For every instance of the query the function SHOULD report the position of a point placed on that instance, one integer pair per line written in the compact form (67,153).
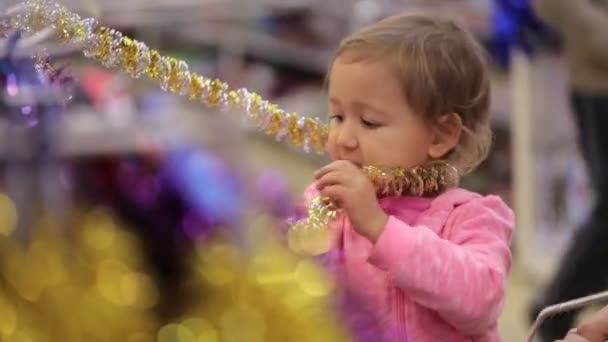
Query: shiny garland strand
(112,49)
(420,181)
(311,235)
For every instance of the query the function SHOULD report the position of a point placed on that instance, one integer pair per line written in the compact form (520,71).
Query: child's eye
(336,117)
(369,124)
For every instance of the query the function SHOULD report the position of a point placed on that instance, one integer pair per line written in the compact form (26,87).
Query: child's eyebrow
(359,105)
(334,100)
(364,105)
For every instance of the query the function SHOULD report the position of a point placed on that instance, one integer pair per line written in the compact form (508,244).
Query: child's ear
(447,130)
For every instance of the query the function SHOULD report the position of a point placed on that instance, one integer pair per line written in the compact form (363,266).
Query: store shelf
(88,133)
(265,46)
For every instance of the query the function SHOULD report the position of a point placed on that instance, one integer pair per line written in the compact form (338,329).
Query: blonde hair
(443,70)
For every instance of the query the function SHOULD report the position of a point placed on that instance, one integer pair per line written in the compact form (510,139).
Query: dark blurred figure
(583,27)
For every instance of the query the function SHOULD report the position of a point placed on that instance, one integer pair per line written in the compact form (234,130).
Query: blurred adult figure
(583,28)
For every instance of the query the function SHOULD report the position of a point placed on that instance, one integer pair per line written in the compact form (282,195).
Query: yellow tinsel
(112,49)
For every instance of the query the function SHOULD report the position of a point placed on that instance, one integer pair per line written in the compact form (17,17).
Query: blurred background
(281,48)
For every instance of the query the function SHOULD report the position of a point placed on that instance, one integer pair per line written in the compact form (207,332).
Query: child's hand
(351,190)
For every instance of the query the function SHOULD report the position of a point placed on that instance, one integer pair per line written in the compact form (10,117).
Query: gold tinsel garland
(311,235)
(113,49)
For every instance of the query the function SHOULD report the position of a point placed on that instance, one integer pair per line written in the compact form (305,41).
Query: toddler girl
(408,91)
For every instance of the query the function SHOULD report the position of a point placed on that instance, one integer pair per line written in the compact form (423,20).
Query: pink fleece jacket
(437,273)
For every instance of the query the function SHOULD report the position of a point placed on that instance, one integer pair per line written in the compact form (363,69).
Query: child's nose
(347,138)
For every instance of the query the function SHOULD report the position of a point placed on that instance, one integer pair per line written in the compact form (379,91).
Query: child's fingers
(335,193)
(333,166)
(332,178)
(325,170)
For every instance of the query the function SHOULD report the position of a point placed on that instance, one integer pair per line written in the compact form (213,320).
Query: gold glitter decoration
(174,75)
(217,87)
(8,216)
(419,181)
(93,284)
(315,131)
(80,31)
(233,98)
(310,236)
(130,50)
(274,120)
(196,87)
(62,30)
(294,130)
(112,49)
(254,106)
(269,294)
(154,69)
(88,287)
(104,43)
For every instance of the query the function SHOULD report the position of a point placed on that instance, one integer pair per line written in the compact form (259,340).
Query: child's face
(371,120)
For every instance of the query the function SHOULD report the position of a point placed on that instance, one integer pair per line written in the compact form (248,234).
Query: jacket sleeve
(582,23)
(463,278)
